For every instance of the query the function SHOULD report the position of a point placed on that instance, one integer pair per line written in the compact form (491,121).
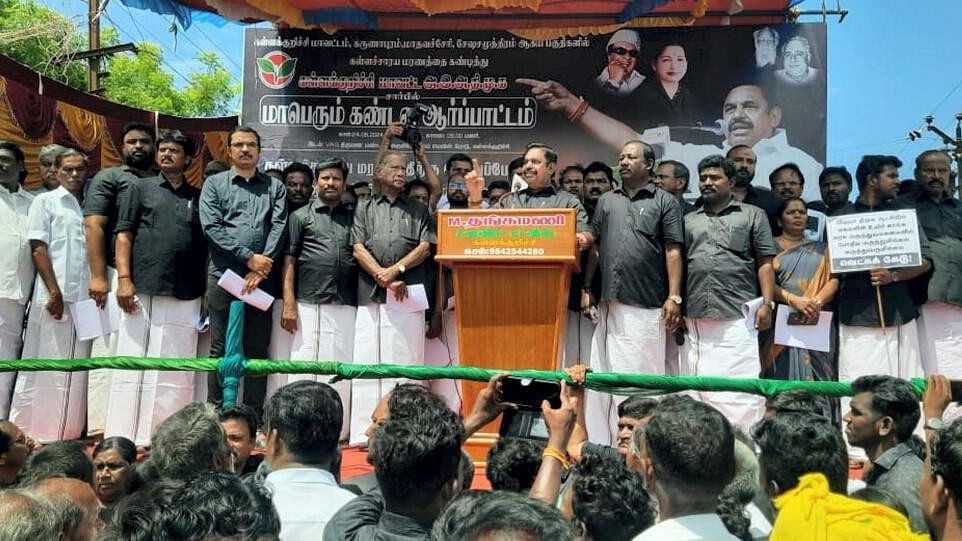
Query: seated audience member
(76,505)
(15,447)
(606,501)
(240,426)
(500,515)
(27,517)
(188,443)
(792,444)
(114,460)
(798,401)
(59,459)
(881,497)
(303,424)
(211,506)
(513,464)
(884,413)
(689,461)
(416,460)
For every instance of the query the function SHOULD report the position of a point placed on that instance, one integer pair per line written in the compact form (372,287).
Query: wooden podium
(511,277)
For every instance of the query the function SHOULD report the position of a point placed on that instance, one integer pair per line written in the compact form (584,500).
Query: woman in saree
(805,284)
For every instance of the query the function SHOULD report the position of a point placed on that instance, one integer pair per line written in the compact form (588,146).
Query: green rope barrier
(606,382)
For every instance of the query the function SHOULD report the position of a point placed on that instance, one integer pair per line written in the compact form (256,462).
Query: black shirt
(856,300)
(102,198)
(823,208)
(548,198)
(365,519)
(242,217)
(632,233)
(320,240)
(942,223)
(722,253)
(389,231)
(762,198)
(169,251)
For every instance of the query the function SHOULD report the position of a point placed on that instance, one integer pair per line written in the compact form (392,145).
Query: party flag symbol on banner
(276,69)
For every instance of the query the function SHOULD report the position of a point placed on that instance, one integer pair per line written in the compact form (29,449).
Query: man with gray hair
(766,47)
(390,236)
(27,517)
(189,442)
(46,167)
(76,506)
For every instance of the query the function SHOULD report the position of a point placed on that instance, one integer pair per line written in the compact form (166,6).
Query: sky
(889,65)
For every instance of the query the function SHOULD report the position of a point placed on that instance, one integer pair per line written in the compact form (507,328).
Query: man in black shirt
(745,162)
(835,184)
(673,176)
(298,181)
(161,255)
(243,213)
(639,231)
(941,217)
(868,345)
(100,208)
(391,241)
(320,281)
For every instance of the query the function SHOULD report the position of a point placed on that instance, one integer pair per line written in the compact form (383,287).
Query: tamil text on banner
(874,240)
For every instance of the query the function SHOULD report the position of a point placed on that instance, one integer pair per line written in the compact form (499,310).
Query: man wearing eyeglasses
(619,77)
(788,181)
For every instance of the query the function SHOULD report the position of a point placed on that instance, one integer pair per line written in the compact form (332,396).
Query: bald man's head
(27,517)
(76,504)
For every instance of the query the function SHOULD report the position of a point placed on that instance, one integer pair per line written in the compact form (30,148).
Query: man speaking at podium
(540,164)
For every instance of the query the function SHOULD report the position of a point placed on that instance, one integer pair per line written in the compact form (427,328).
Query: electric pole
(93,43)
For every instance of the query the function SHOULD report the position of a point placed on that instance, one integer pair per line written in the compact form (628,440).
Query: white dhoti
(98,381)
(724,349)
(51,406)
(940,334)
(579,334)
(325,332)
(139,400)
(443,351)
(866,351)
(11,342)
(381,336)
(627,340)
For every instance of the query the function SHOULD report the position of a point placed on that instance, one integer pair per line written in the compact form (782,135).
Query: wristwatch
(895,276)
(935,423)
(675,299)
(401,268)
(770,304)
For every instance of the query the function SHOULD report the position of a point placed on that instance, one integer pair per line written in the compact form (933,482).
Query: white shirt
(688,528)
(57,220)
(619,88)
(772,153)
(16,262)
(306,499)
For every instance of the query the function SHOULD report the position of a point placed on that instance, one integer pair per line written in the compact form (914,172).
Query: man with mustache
(101,208)
(729,251)
(243,213)
(16,265)
(640,237)
(619,78)
(573,180)
(320,282)
(391,240)
(941,219)
(298,181)
(749,117)
(865,347)
(46,168)
(835,184)
(744,190)
(161,257)
(787,181)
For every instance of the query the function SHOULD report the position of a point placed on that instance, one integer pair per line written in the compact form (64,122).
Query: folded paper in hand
(92,322)
(750,310)
(815,337)
(234,284)
(416,300)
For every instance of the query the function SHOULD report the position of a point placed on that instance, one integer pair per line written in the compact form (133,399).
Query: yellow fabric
(809,512)
(638,22)
(85,128)
(433,7)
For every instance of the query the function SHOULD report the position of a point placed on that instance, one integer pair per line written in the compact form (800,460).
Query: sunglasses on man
(621,51)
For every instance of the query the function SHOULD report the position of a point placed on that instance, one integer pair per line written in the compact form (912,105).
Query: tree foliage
(45,40)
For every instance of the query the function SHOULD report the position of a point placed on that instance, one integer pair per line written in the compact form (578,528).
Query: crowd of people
(662,289)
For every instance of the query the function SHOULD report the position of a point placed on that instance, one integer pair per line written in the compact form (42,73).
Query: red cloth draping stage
(36,111)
